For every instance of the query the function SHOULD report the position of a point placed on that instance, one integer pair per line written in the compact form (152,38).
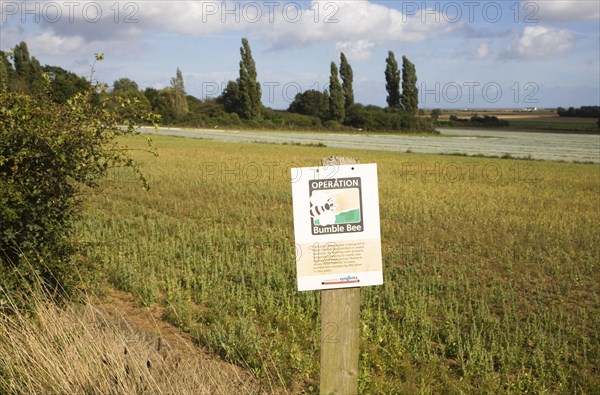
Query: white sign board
(336,225)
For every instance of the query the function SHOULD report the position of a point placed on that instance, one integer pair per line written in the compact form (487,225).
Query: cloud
(355,25)
(355,50)
(48,43)
(42,43)
(475,32)
(540,42)
(482,51)
(331,20)
(561,10)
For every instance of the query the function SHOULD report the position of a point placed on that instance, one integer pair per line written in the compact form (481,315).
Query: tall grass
(80,349)
(490,266)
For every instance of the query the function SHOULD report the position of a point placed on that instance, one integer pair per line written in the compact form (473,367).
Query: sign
(336,225)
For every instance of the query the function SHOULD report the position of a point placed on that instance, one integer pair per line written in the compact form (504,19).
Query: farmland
(490,266)
(473,142)
(539,120)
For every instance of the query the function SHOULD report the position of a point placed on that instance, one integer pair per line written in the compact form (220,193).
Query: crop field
(491,266)
(473,142)
(541,120)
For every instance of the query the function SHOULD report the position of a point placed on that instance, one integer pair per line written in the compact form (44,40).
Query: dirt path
(224,378)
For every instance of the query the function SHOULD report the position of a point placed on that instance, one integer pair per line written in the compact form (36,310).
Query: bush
(373,118)
(479,121)
(48,153)
(332,125)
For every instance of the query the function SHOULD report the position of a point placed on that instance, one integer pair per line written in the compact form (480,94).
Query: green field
(541,121)
(490,266)
(553,125)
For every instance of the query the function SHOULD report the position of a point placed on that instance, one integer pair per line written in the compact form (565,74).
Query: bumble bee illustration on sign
(336,226)
(335,206)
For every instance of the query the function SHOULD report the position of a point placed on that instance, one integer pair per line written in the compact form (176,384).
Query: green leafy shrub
(48,152)
(373,118)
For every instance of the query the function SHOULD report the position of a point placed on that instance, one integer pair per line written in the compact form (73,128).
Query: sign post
(338,250)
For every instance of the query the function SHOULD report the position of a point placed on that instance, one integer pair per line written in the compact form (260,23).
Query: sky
(468,54)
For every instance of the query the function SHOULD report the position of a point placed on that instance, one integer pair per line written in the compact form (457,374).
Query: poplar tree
(249,92)
(336,96)
(410,92)
(28,70)
(3,75)
(347,78)
(21,60)
(392,81)
(7,73)
(180,104)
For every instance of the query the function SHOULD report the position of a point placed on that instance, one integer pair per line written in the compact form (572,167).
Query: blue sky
(468,54)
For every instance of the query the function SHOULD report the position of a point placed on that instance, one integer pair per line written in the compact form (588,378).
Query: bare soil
(227,377)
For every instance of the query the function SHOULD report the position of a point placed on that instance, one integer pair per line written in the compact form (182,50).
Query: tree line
(240,103)
(584,112)
(26,75)
(336,105)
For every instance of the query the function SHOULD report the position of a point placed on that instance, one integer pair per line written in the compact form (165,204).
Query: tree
(64,83)
(392,81)
(7,73)
(151,94)
(125,84)
(248,88)
(165,104)
(336,96)
(3,74)
(28,70)
(230,97)
(180,105)
(347,77)
(309,102)
(48,153)
(21,60)
(28,76)
(410,92)
(435,115)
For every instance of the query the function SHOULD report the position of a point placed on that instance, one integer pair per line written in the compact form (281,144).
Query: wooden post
(340,331)
(340,335)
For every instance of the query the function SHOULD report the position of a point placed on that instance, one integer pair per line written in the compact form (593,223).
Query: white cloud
(48,43)
(357,25)
(483,51)
(540,42)
(43,43)
(355,50)
(561,10)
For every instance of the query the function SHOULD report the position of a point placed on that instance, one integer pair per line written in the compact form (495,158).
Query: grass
(80,349)
(490,266)
(555,125)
